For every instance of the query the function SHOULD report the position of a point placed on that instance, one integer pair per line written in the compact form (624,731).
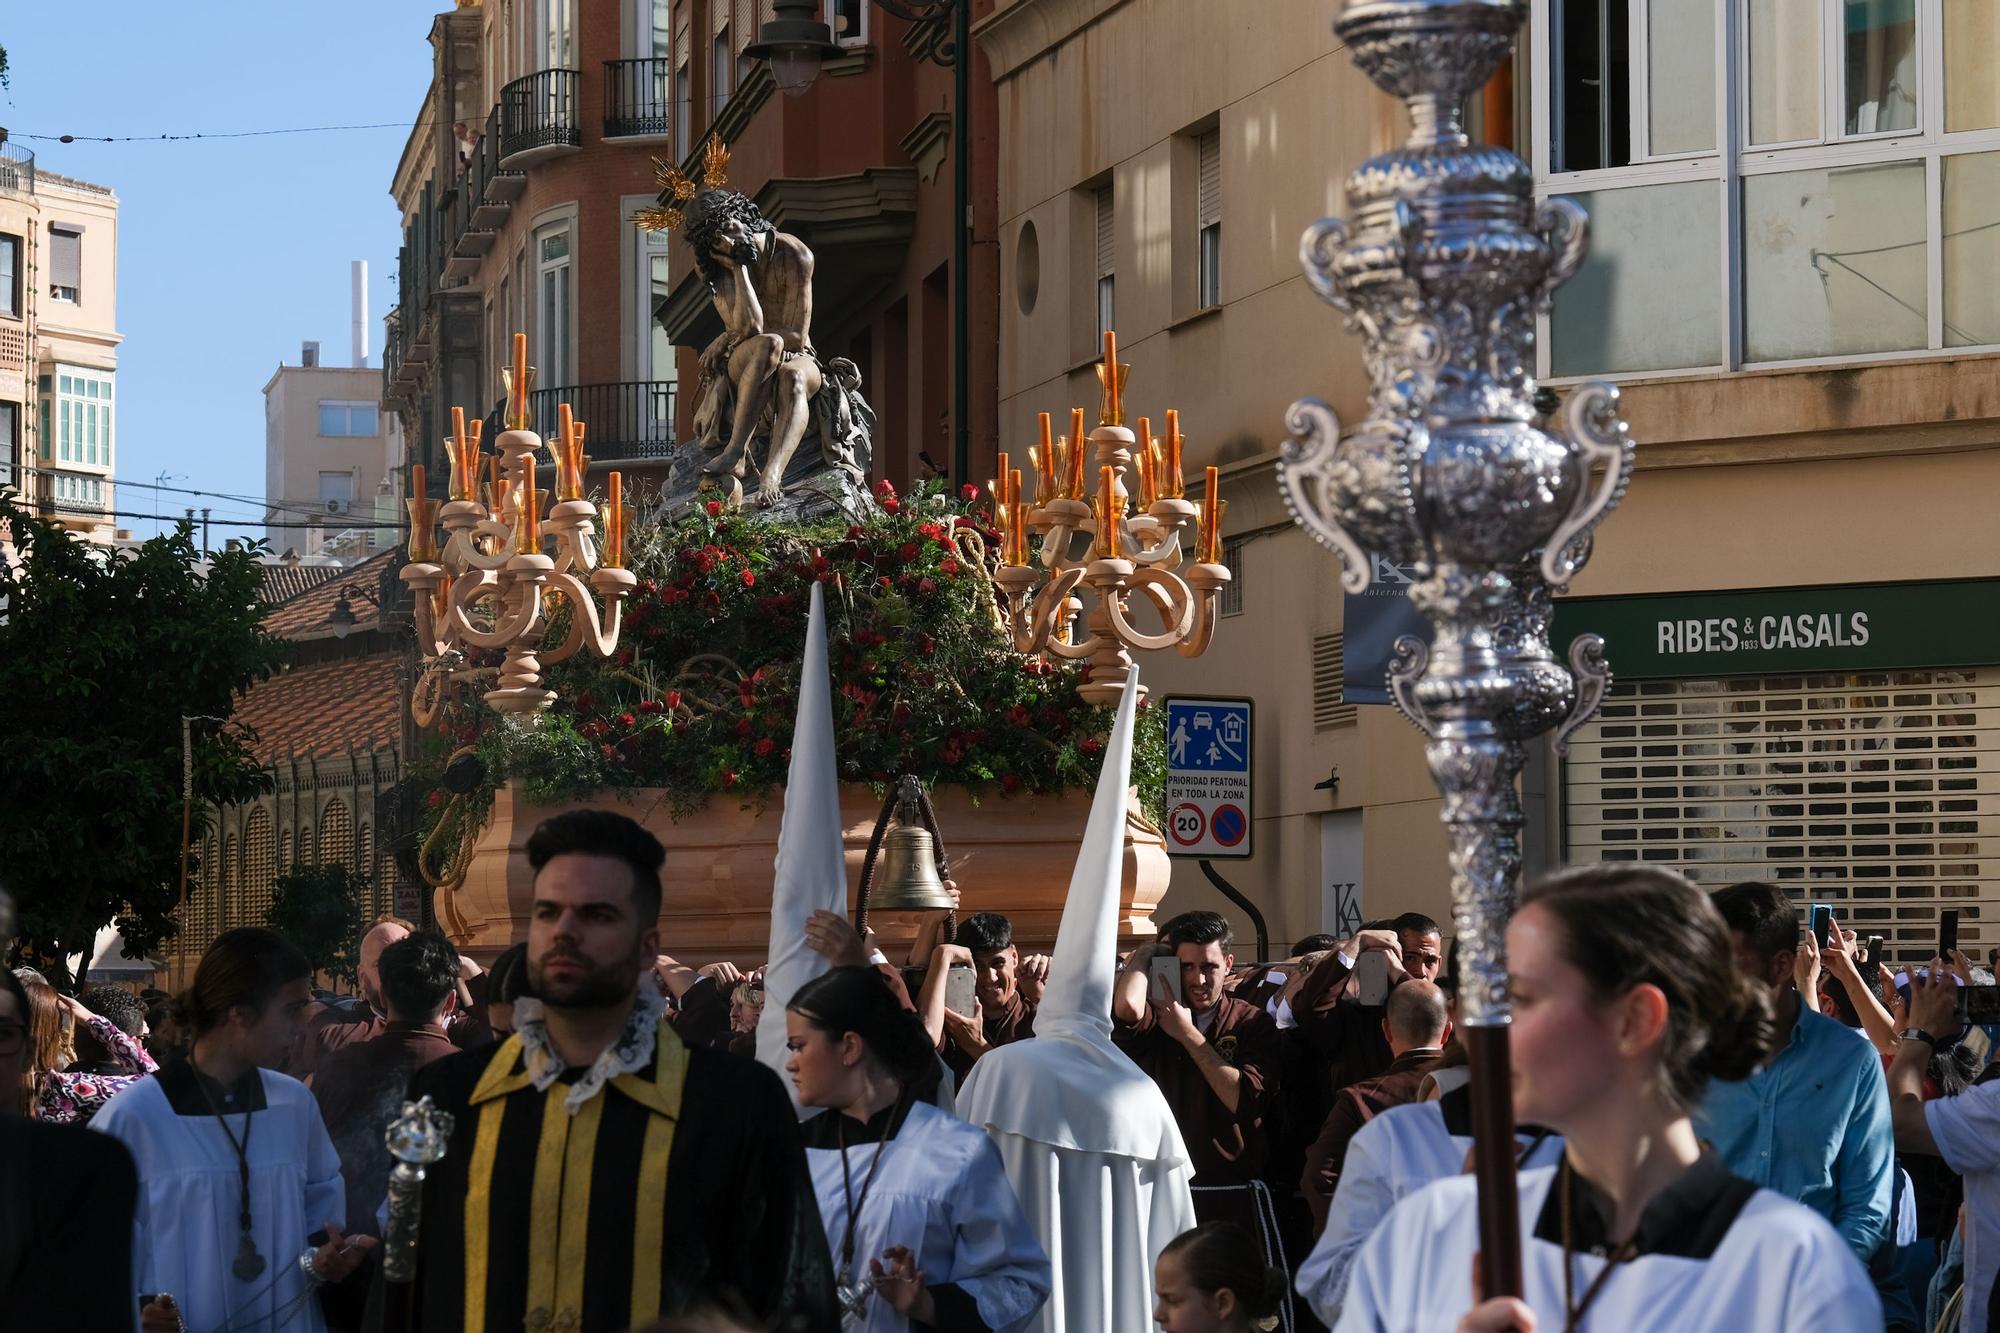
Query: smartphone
(1874,952)
(1822,924)
(1167,978)
(1947,933)
(959,990)
(1371,977)
(1981,1005)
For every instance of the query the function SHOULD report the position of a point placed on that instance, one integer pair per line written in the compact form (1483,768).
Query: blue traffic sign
(1208,777)
(1208,736)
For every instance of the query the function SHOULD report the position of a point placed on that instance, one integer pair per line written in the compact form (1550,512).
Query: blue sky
(230,252)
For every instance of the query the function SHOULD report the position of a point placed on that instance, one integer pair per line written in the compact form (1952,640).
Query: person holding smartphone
(1339,1010)
(1214,1057)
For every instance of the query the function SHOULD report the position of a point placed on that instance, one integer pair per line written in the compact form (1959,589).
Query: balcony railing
(539,112)
(633,420)
(17,169)
(638,97)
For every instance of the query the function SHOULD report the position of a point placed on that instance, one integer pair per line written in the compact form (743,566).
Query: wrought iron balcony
(538,115)
(638,98)
(17,168)
(630,421)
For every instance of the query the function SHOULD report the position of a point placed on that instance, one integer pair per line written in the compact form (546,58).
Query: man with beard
(600,1173)
(1006,990)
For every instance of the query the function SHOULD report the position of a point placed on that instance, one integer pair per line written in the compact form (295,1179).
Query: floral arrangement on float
(697,703)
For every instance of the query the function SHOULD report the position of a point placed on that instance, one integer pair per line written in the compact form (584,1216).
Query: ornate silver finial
(1441,265)
(417,1139)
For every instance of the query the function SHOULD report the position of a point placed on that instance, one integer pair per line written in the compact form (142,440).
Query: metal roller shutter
(1877,792)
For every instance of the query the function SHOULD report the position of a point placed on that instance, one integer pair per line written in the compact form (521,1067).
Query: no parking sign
(1208,778)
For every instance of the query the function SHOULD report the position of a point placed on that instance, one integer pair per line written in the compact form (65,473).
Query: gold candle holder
(528,532)
(422,515)
(1075,458)
(1211,518)
(1176,488)
(498,497)
(1111,377)
(1017,550)
(1043,456)
(517,380)
(1146,459)
(462,452)
(614,521)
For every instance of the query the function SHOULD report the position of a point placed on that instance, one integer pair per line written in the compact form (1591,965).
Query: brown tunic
(1353,1107)
(1009,1023)
(1345,1034)
(1225,1147)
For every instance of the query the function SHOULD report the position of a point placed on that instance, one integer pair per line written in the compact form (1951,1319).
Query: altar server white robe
(185,1231)
(1753,1260)
(939,1192)
(1390,1158)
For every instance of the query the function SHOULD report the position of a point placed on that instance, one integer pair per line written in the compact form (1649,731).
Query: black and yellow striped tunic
(676,1186)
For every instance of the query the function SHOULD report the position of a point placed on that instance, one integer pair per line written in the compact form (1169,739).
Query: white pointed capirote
(812,856)
(1089,1142)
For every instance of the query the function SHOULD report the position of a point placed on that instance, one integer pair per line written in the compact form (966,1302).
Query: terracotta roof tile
(284,582)
(325,708)
(304,616)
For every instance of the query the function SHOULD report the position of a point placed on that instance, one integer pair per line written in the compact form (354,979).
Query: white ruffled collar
(632,1052)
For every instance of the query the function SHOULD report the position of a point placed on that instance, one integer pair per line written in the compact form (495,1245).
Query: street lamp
(795,42)
(342,619)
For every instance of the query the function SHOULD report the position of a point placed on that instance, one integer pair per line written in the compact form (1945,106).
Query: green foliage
(318,908)
(701,697)
(106,652)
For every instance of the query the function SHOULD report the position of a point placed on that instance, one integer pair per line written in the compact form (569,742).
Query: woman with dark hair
(235,1167)
(923,1226)
(1626,1004)
(1213,1279)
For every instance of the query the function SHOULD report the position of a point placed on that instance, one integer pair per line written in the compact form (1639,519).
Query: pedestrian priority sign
(1208,778)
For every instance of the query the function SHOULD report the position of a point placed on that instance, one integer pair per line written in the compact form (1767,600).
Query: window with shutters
(720,66)
(10,276)
(80,412)
(1208,218)
(1875,792)
(848,19)
(1107,309)
(260,867)
(65,261)
(1329,676)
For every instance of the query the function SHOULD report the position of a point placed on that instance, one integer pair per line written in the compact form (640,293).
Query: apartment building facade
(534,148)
(59,343)
(1796,235)
(332,460)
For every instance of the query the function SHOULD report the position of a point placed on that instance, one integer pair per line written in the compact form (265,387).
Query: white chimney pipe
(360,283)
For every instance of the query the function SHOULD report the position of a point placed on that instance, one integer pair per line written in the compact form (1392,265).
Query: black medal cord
(847,1180)
(248,1246)
(1572,1311)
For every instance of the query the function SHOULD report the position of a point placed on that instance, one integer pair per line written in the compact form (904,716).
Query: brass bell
(906,877)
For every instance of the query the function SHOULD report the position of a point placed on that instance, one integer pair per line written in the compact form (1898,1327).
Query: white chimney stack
(360,274)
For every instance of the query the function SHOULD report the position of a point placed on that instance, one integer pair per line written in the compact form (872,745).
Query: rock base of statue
(827,474)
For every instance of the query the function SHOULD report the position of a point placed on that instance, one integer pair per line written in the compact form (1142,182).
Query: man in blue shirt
(1813,1123)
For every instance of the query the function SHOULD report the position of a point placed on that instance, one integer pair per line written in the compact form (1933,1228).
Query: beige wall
(1754,479)
(295,453)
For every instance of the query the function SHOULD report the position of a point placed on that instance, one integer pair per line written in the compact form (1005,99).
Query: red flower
(715,509)
(930,530)
(434,800)
(968,492)
(649,706)
(1010,782)
(743,727)
(1019,716)
(1091,745)
(892,505)
(908,551)
(729,777)
(884,490)
(926,586)
(883,583)
(948,567)
(627,720)
(608,750)
(673,698)
(624,657)
(764,747)
(749,579)
(854,533)
(926,645)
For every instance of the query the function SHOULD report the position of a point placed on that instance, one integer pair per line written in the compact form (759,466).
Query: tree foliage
(107,651)
(318,908)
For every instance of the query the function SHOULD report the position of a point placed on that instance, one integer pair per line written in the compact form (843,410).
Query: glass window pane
(1834,262)
(1881,50)
(1971,74)
(1971,249)
(332,419)
(1784,70)
(1649,297)
(1680,76)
